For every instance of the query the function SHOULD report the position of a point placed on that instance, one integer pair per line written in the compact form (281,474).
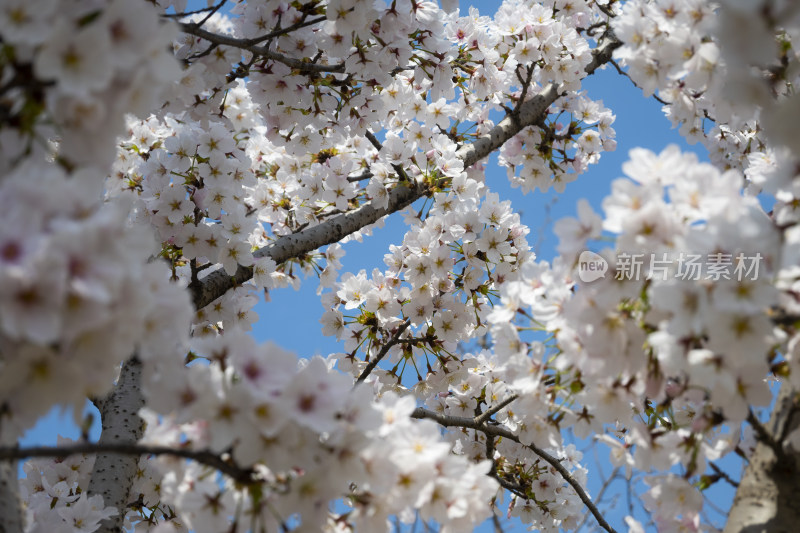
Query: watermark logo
(715,266)
(591,266)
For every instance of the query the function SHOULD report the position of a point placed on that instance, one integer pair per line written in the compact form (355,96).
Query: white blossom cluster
(259,126)
(92,62)
(627,347)
(729,93)
(192,189)
(203,198)
(78,294)
(424,284)
(556,156)
(56,502)
(309,437)
(487,379)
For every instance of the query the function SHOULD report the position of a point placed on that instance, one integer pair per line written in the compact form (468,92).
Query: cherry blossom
(163,168)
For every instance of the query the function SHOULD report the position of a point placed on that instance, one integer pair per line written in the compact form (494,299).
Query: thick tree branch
(766,498)
(333,230)
(218,282)
(762,434)
(113,475)
(500,431)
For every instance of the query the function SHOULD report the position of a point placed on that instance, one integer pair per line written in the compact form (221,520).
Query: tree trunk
(113,474)
(10,508)
(767,497)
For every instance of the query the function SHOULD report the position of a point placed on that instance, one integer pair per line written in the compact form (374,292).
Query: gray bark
(113,474)
(766,499)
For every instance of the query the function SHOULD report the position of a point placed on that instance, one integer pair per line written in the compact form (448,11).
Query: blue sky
(291,319)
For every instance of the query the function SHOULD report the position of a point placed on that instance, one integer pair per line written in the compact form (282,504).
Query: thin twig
(600,494)
(195,12)
(514,488)
(498,528)
(619,70)
(378,146)
(211,13)
(245,44)
(384,350)
(517,490)
(526,83)
(204,53)
(486,415)
(287,29)
(722,474)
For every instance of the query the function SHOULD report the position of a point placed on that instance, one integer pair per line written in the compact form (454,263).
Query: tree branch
(360,177)
(514,488)
(262,51)
(762,433)
(600,493)
(195,12)
(334,229)
(500,431)
(113,475)
(486,415)
(378,146)
(622,72)
(208,458)
(766,498)
(288,29)
(723,475)
(384,350)
(605,10)
(526,83)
